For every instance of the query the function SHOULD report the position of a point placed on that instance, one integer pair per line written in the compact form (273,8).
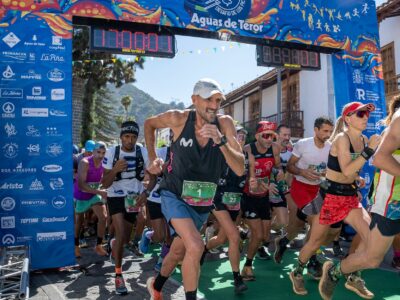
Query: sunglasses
(267,136)
(361,113)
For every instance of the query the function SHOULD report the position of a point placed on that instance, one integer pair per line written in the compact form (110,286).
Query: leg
(101,213)
(120,237)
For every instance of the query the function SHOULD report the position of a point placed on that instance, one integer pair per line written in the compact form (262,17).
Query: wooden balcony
(293,119)
(392,86)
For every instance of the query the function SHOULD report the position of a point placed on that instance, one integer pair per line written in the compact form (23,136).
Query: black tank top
(333,162)
(189,161)
(230,182)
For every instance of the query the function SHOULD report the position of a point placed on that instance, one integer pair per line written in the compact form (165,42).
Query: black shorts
(387,227)
(219,206)
(116,205)
(154,210)
(283,203)
(256,207)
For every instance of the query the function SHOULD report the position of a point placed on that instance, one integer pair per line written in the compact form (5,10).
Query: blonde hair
(393,106)
(339,127)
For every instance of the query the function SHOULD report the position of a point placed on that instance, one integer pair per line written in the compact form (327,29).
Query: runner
(385,218)
(203,142)
(226,210)
(89,195)
(263,157)
(124,168)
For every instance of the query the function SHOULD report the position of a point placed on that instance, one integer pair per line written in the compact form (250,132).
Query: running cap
(266,126)
(129,127)
(240,128)
(356,106)
(207,87)
(100,145)
(89,145)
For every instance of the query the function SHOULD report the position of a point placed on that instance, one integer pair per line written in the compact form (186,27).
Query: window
(389,70)
(254,106)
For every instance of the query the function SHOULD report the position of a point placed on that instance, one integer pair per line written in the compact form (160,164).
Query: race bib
(232,200)
(130,203)
(94,185)
(197,193)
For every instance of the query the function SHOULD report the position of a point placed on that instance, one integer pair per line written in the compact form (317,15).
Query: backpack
(139,171)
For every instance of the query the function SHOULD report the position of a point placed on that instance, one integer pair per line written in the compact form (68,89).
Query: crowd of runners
(208,188)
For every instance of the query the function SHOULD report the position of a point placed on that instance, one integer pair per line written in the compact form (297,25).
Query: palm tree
(126,102)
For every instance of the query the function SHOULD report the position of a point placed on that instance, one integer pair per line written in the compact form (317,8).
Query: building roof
(390,8)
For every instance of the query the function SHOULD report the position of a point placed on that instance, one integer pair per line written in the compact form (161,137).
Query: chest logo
(186,143)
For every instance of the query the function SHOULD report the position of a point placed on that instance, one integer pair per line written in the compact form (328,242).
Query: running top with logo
(93,178)
(154,196)
(285,156)
(264,162)
(193,171)
(230,187)
(130,180)
(386,201)
(311,157)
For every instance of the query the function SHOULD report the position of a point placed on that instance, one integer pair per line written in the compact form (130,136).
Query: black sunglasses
(361,113)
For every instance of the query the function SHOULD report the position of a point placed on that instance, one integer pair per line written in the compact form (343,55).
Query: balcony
(392,86)
(293,119)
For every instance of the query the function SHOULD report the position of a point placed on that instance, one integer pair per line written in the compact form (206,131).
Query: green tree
(126,102)
(97,69)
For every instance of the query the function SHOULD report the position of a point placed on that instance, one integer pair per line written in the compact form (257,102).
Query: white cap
(207,87)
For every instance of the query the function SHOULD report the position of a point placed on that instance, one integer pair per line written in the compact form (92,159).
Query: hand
(374,141)
(155,167)
(280,176)
(120,165)
(253,183)
(273,188)
(360,182)
(211,131)
(309,174)
(141,199)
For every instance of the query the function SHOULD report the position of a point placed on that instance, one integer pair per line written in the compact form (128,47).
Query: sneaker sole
(325,269)
(353,289)
(294,288)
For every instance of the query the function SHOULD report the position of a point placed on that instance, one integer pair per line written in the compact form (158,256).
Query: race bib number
(232,200)
(130,203)
(197,193)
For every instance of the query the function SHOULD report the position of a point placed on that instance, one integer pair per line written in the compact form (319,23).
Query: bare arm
(383,158)
(293,169)
(109,175)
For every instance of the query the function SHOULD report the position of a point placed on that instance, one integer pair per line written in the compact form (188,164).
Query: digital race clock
(145,42)
(273,56)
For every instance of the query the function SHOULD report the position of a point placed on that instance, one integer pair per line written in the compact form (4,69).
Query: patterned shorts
(336,208)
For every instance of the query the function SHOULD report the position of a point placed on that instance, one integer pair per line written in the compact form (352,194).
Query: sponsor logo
(54,150)
(8,204)
(55,75)
(11,39)
(57,113)
(51,168)
(51,236)
(52,131)
(8,239)
(186,143)
(58,202)
(12,186)
(29,221)
(54,219)
(32,131)
(12,93)
(56,184)
(8,222)
(10,150)
(57,94)
(8,74)
(33,149)
(36,185)
(57,43)
(10,129)
(34,42)
(15,55)
(18,170)
(35,112)
(47,57)
(36,94)
(31,75)
(34,202)
(8,110)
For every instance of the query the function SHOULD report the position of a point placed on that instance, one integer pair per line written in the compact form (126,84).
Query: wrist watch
(223,141)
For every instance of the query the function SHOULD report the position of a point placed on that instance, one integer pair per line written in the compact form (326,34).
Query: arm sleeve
(298,149)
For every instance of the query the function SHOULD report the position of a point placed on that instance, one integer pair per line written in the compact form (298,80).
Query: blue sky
(231,64)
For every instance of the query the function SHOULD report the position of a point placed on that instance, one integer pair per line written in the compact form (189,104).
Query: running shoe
(144,241)
(338,252)
(314,269)
(120,288)
(396,263)
(298,284)
(158,265)
(280,249)
(263,254)
(327,284)
(239,285)
(154,295)
(132,247)
(356,284)
(247,274)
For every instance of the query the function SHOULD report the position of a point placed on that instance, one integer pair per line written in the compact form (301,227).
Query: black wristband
(367,153)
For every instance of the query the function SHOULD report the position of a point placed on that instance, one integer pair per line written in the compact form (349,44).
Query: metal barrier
(14,272)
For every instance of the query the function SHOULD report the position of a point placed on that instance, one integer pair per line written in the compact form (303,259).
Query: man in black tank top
(203,143)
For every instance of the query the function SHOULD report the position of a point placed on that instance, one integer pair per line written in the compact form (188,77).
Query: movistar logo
(186,143)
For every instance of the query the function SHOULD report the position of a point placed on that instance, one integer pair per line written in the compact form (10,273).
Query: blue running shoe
(144,241)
